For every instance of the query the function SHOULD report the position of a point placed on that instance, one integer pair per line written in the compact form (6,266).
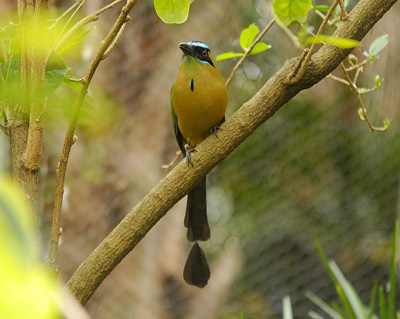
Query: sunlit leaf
(228,55)
(26,285)
(172,11)
(260,47)
(248,35)
(292,11)
(321,8)
(339,42)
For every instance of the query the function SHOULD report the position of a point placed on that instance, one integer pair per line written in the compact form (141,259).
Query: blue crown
(199,44)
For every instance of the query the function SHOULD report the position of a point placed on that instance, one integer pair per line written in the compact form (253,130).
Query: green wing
(178,134)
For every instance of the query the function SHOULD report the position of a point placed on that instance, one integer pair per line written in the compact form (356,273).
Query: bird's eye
(204,53)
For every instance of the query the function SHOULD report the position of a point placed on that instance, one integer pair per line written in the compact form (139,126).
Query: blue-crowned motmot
(198,105)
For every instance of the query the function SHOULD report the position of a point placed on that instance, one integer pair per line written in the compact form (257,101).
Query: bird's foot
(189,150)
(215,130)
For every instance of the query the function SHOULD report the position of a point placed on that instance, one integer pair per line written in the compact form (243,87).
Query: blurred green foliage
(27,288)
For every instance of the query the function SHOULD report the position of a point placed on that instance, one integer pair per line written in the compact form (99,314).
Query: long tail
(196,214)
(197,271)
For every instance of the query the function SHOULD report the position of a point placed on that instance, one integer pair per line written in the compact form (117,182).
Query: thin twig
(81,23)
(360,102)
(172,163)
(300,61)
(357,73)
(65,13)
(362,91)
(356,66)
(321,15)
(336,78)
(115,41)
(248,51)
(343,13)
(296,76)
(69,135)
(60,35)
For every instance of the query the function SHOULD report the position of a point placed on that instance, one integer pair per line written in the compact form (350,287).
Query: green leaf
(321,8)
(353,59)
(339,42)
(392,276)
(248,35)
(377,46)
(292,11)
(228,55)
(314,315)
(372,300)
(323,305)
(260,47)
(325,262)
(76,86)
(11,74)
(350,294)
(55,71)
(378,82)
(74,41)
(172,11)
(382,303)
(28,287)
(387,123)
(345,301)
(287,308)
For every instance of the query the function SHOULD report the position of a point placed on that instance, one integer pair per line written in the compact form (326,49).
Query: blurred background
(312,173)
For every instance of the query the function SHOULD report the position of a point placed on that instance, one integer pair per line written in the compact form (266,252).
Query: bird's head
(198,50)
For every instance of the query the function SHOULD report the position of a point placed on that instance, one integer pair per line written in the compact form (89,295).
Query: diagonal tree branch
(263,105)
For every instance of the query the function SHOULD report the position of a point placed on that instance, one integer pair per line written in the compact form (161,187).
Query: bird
(198,104)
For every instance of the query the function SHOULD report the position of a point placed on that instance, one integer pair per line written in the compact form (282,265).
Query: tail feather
(196,271)
(196,214)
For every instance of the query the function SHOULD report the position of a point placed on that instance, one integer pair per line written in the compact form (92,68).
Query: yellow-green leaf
(27,288)
(172,11)
(339,42)
(228,55)
(248,35)
(260,47)
(292,11)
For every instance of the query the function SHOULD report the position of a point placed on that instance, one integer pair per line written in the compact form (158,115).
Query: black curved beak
(187,49)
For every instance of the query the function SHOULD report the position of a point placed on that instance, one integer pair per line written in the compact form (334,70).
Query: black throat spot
(192,85)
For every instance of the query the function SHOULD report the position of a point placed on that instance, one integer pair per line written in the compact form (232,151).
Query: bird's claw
(215,130)
(188,151)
